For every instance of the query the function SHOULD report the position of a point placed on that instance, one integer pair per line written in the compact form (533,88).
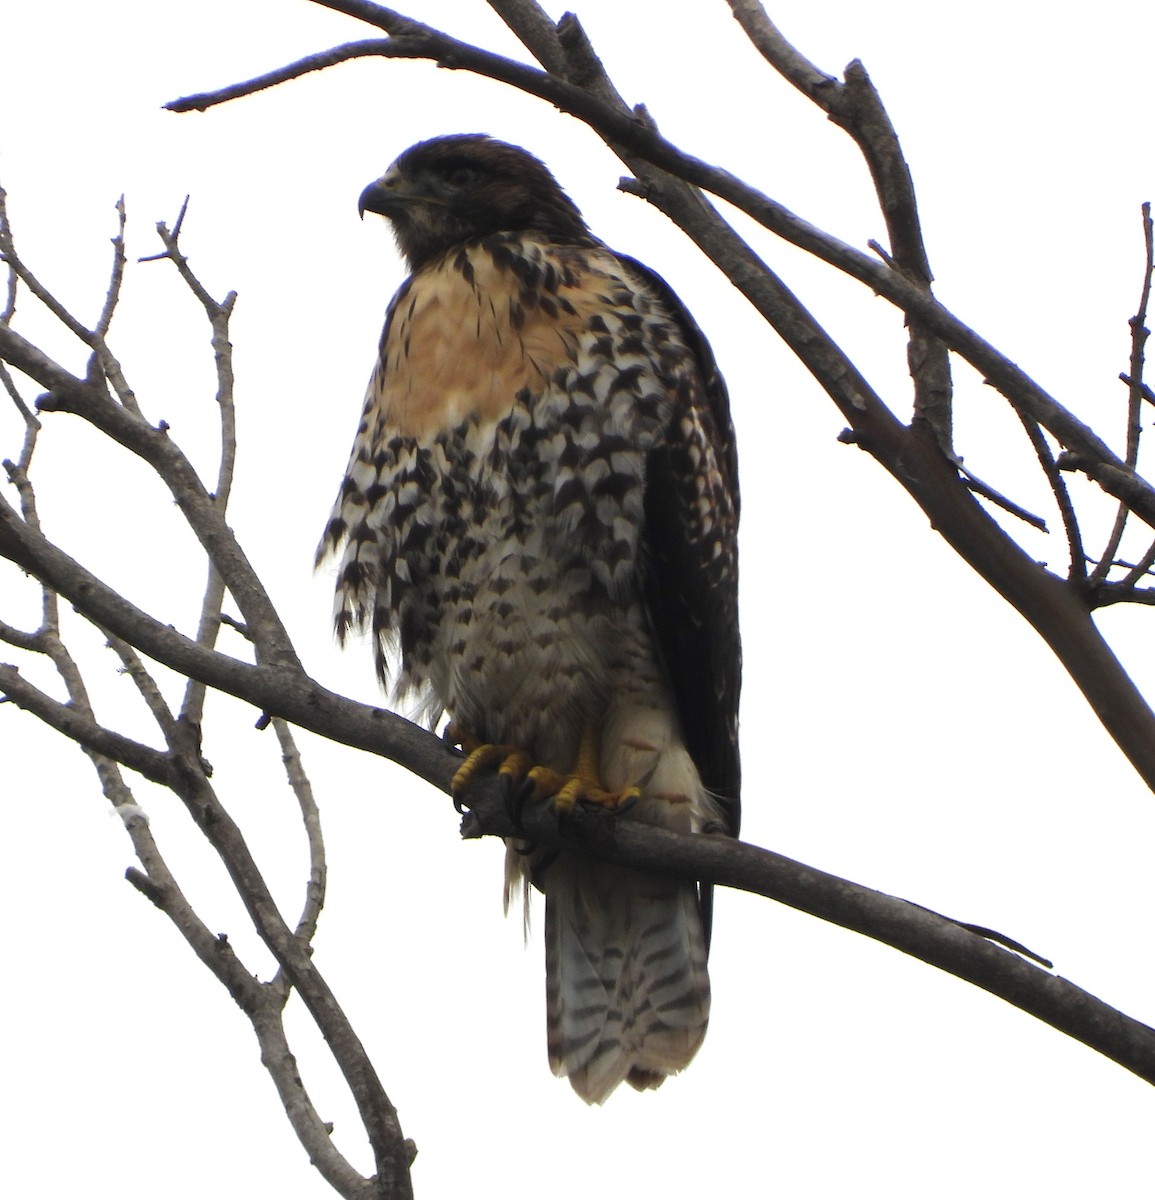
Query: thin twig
(152,444)
(145,684)
(29,418)
(1114,540)
(30,281)
(304,66)
(103,359)
(13,280)
(1146,392)
(219,314)
(239,626)
(1137,570)
(976,485)
(1135,398)
(1077,571)
(1138,323)
(311,817)
(112,296)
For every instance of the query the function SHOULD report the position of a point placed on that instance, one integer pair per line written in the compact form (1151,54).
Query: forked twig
(180,765)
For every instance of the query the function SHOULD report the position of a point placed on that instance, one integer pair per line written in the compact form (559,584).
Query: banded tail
(627,991)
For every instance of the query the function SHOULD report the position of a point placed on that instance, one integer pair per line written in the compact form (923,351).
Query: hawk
(538,524)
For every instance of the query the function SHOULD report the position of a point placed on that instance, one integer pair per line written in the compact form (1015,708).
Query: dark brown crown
(462,187)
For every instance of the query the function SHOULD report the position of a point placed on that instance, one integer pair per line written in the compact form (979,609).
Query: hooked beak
(388,197)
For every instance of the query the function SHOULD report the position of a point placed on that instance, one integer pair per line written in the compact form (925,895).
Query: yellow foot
(515,764)
(539,783)
(583,782)
(567,790)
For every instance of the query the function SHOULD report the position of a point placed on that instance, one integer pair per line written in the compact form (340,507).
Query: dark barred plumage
(539,521)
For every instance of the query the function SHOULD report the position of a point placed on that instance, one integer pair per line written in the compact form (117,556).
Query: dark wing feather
(691,569)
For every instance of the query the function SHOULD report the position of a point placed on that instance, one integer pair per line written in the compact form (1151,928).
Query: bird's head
(461,187)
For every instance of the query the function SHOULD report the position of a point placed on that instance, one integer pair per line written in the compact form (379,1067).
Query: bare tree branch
(785,58)
(627,132)
(917,931)
(535,30)
(145,684)
(218,315)
(181,768)
(1078,568)
(856,107)
(714,860)
(304,66)
(311,818)
(919,454)
(133,432)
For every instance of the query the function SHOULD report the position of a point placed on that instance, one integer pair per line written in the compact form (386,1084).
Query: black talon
(625,807)
(517,795)
(449,738)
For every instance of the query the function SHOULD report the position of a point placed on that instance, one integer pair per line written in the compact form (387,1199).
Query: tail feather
(627,992)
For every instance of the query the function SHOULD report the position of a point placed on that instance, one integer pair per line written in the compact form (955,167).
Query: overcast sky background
(902,726)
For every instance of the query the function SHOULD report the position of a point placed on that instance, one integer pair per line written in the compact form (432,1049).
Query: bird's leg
(582,783)
(459,737)
(514,763)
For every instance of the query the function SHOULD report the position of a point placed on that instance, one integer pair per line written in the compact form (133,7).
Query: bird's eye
(461,177)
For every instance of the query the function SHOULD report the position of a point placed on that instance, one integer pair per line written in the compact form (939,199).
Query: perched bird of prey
(538,521)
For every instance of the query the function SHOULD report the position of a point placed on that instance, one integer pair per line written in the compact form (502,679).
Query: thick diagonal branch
(629,132)
(290,693)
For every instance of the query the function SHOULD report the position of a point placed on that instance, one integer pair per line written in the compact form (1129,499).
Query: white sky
(902,726)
